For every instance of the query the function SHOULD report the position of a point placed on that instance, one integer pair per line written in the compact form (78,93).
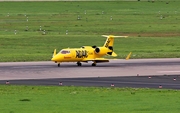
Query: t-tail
(109,41)
(109,44)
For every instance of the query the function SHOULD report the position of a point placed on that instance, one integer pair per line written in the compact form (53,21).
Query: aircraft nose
(53,59)
(56,58)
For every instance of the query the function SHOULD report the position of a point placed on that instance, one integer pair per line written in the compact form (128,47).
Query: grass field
(152,27)
(54,99)
(153,30)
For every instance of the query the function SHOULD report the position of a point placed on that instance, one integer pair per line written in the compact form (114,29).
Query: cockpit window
(64,52)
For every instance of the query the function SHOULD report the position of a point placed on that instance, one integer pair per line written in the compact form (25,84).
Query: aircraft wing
(97,60)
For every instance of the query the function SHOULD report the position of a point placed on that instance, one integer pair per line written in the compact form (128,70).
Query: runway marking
(116,82)
(168,71)
(23,67)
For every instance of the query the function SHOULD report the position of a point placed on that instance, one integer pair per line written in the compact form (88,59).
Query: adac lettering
(108,41)
(81,54)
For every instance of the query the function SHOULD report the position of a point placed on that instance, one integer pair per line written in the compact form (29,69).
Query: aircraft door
(73,53)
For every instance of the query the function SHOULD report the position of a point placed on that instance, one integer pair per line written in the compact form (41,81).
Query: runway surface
(149,73)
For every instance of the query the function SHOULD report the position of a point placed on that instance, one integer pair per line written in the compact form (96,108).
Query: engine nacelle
(101,50)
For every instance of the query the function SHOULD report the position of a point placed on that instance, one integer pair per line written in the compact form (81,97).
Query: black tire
(93,64)
(79,63)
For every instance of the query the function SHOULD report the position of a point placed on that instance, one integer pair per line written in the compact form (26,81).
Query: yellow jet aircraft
(87,53)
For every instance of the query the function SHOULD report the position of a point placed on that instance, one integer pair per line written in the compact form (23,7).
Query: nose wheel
(79,64)
(58,64)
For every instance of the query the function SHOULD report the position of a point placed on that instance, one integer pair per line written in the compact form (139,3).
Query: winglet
(128,56)
(54,52)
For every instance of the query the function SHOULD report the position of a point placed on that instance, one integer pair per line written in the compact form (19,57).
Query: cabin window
(64,52)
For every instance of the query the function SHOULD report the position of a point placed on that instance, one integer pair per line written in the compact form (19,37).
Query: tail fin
(109,44)
(109,41)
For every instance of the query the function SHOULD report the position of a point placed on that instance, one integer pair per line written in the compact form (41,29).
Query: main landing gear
(79,63)
(58,64)
(94,64)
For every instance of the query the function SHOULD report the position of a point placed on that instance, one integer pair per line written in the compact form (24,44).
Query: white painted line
(19,67)
(168,71)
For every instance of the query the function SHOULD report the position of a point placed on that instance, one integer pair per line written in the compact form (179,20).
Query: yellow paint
(86,53)
(128,56)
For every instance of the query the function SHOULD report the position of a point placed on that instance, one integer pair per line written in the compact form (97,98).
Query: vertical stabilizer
(109,44)
(109,41)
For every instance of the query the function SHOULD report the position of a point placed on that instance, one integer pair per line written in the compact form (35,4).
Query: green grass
(29,49)
(149,35)
(54,99)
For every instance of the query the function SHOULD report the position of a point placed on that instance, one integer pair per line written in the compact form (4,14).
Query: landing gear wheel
(93,64)
(58,65)
(79,63)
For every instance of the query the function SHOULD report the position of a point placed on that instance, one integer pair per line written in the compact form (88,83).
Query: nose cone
(54,59)
(57,58)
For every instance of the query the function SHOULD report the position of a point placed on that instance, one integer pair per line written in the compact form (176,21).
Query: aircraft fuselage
(76,54)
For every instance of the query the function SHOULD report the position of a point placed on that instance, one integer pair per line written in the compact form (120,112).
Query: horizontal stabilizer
(114,36)
(114,54)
